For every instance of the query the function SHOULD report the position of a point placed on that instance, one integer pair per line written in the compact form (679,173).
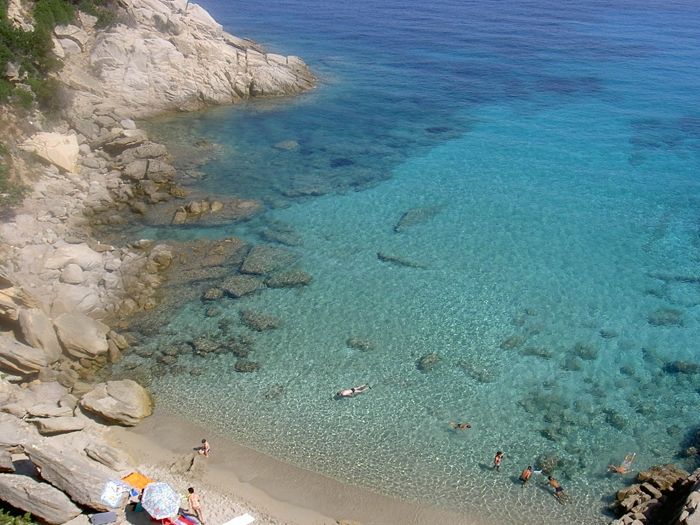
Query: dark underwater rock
(681,367)
(240,285)
(416,216)
(245,366)
(427,362)
(212,294)
(265,259)
(399,261)
(512,342)
(358,343)
(289,279)
(585,352)
(258,321)
(666,317)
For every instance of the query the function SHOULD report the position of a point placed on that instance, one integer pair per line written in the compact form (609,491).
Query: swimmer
(352,392)
(460,426)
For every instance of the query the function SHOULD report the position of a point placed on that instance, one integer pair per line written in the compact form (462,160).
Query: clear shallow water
(560,148)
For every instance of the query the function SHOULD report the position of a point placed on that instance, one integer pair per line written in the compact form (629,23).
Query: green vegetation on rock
(10,193)
(8,518)
(32,51)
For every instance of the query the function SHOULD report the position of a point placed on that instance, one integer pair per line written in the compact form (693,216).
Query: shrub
(7,518)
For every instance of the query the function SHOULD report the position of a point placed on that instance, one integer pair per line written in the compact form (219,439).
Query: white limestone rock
(40,499)
(19,358)
(81,336)
(37,330)
(124,402)
(56,148)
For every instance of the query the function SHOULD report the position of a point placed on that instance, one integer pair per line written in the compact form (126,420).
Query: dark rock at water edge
(428,362)
(258,321)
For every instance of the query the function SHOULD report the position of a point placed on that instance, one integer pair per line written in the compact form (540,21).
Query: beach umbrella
(160,501)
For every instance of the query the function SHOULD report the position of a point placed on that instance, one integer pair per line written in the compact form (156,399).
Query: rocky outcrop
(72,473)
(40,499)
(173,56)
(37,330)
(56,148)
(264,259)
(19,358)
(81,336)
(123,402)
(658,496)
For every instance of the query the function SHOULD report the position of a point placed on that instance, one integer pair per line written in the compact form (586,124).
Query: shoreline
(276,488)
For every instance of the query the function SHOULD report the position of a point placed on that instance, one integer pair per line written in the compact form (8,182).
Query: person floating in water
(460,426)
(558,490)
(498,458)
(352,392)
(526,474)
(624,467)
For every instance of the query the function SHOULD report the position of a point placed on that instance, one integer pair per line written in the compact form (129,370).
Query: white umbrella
(160,501)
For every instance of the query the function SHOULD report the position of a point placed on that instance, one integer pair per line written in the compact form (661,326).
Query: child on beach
(498,458)
(204,449)
(195,505)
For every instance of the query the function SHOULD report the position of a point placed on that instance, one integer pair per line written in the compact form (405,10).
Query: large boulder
(19,358)
(73,473)
(15,433)
(60,150)
(37,330)
(59,425)
(81,336)
(40,499)
(123,402)
(80,254)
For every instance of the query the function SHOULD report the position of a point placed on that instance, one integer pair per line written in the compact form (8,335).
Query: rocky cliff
(163,56)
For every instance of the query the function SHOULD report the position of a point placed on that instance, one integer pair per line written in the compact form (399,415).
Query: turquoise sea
(551,151)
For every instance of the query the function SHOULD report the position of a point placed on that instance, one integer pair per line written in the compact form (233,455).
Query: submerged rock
(428,361)
(240,285)
(358,343)
(289,279)
(586,352)
(258,321)
(399,261)
(666,317)
(478,373)
(682,367)
(265,259)
(212,294)
(275,391)
(512,342)
(416,216)
(245,366)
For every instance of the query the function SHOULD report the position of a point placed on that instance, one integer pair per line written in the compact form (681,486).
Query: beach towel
(244,519)
(137,480)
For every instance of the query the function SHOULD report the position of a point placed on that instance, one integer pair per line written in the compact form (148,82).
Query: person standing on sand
(204,449)
(195,505)
(498,458)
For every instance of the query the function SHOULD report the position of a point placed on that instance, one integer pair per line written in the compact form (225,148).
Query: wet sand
(272,490)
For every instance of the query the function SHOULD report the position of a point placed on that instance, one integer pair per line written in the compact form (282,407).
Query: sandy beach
(236,479)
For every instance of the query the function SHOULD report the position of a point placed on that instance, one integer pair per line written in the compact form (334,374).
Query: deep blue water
(558,147)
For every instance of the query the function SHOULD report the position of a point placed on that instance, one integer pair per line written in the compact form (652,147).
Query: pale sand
(236,479)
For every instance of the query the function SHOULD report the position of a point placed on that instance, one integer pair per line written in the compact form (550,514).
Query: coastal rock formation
(38,331)
(123,402)
(289,279)
(82,336)
(56,148)
(40,499)
(59,425)
(263,259)
(240,285)
(174,56)
(259,321)
(19,358)
(72,473)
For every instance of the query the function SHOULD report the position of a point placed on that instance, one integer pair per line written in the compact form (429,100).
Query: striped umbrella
(160,501)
